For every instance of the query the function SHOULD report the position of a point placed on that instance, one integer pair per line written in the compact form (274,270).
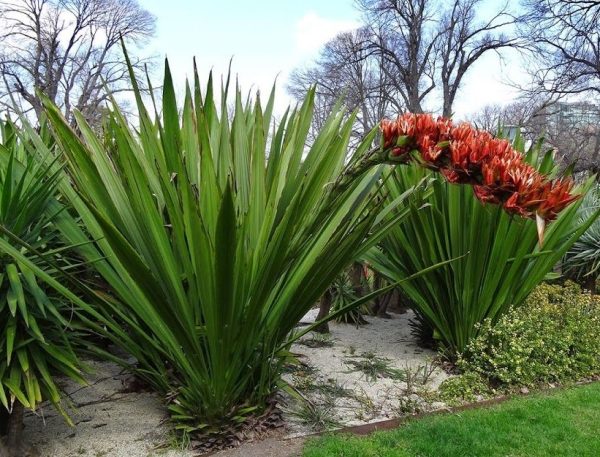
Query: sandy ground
(107,422)
(335,384)
(398,382)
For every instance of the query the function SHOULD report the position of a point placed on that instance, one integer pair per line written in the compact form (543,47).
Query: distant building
(575,114)
(510,131)
(573,129)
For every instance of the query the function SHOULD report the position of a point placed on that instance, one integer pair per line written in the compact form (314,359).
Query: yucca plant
(499,257)
(216,233)
(35,324)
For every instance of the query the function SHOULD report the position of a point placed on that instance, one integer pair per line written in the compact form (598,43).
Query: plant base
(236,434)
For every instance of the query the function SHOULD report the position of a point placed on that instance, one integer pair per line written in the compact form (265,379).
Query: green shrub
(342,291)
(36,325)
(582,261)
(466,387)
(554,337)
(217,230)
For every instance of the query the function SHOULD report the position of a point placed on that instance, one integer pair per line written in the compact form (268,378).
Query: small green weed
(373,367)
(318,417)
(317,340)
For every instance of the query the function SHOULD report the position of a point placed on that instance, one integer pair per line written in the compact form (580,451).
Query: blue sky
(268,38)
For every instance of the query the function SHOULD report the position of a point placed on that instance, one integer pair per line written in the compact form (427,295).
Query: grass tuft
(374,367)
(317,340)
(317,416)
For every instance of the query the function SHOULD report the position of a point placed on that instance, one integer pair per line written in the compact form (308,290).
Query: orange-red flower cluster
(465,155)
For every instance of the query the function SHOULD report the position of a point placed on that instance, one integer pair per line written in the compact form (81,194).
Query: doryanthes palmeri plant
(499,173)
(342,294)
(36,325)
(217,233)
(499,258)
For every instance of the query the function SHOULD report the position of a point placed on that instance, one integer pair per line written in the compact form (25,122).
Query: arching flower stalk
(465,155)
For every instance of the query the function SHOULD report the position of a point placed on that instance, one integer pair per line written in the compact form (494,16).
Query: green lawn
(564,423)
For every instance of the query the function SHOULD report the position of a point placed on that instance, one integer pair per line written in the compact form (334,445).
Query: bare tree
(530,115)
(564,65)
(463,40)
(404,33)
(406,53)
(67,49)
(564,40)
(573,129)
(427,45)
(489,117)
(345,71)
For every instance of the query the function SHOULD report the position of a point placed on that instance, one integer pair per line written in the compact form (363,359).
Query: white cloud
(313,31)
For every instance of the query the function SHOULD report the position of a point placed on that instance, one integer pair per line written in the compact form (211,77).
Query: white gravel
(107,422)
(374,399)
(112,423)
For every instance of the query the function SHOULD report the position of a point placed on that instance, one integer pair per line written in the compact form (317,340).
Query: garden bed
(112,421)
(352,379)
(109,421)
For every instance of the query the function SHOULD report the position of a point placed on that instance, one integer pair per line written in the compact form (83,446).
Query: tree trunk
(381,303)
(3,450)
(3,429)
(385,301)
(377,284)
(594,165)
(399,303)
(14,437)
(356,278)
(357,273)
(447,108)
(590,284)
(4,416)
(324,308)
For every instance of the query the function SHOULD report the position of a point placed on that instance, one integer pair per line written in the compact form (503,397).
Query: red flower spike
(465,155)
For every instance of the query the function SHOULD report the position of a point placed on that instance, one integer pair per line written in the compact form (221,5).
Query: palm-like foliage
(343,294)
(499,258)
(218,234)
(583,259)
(34,324)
